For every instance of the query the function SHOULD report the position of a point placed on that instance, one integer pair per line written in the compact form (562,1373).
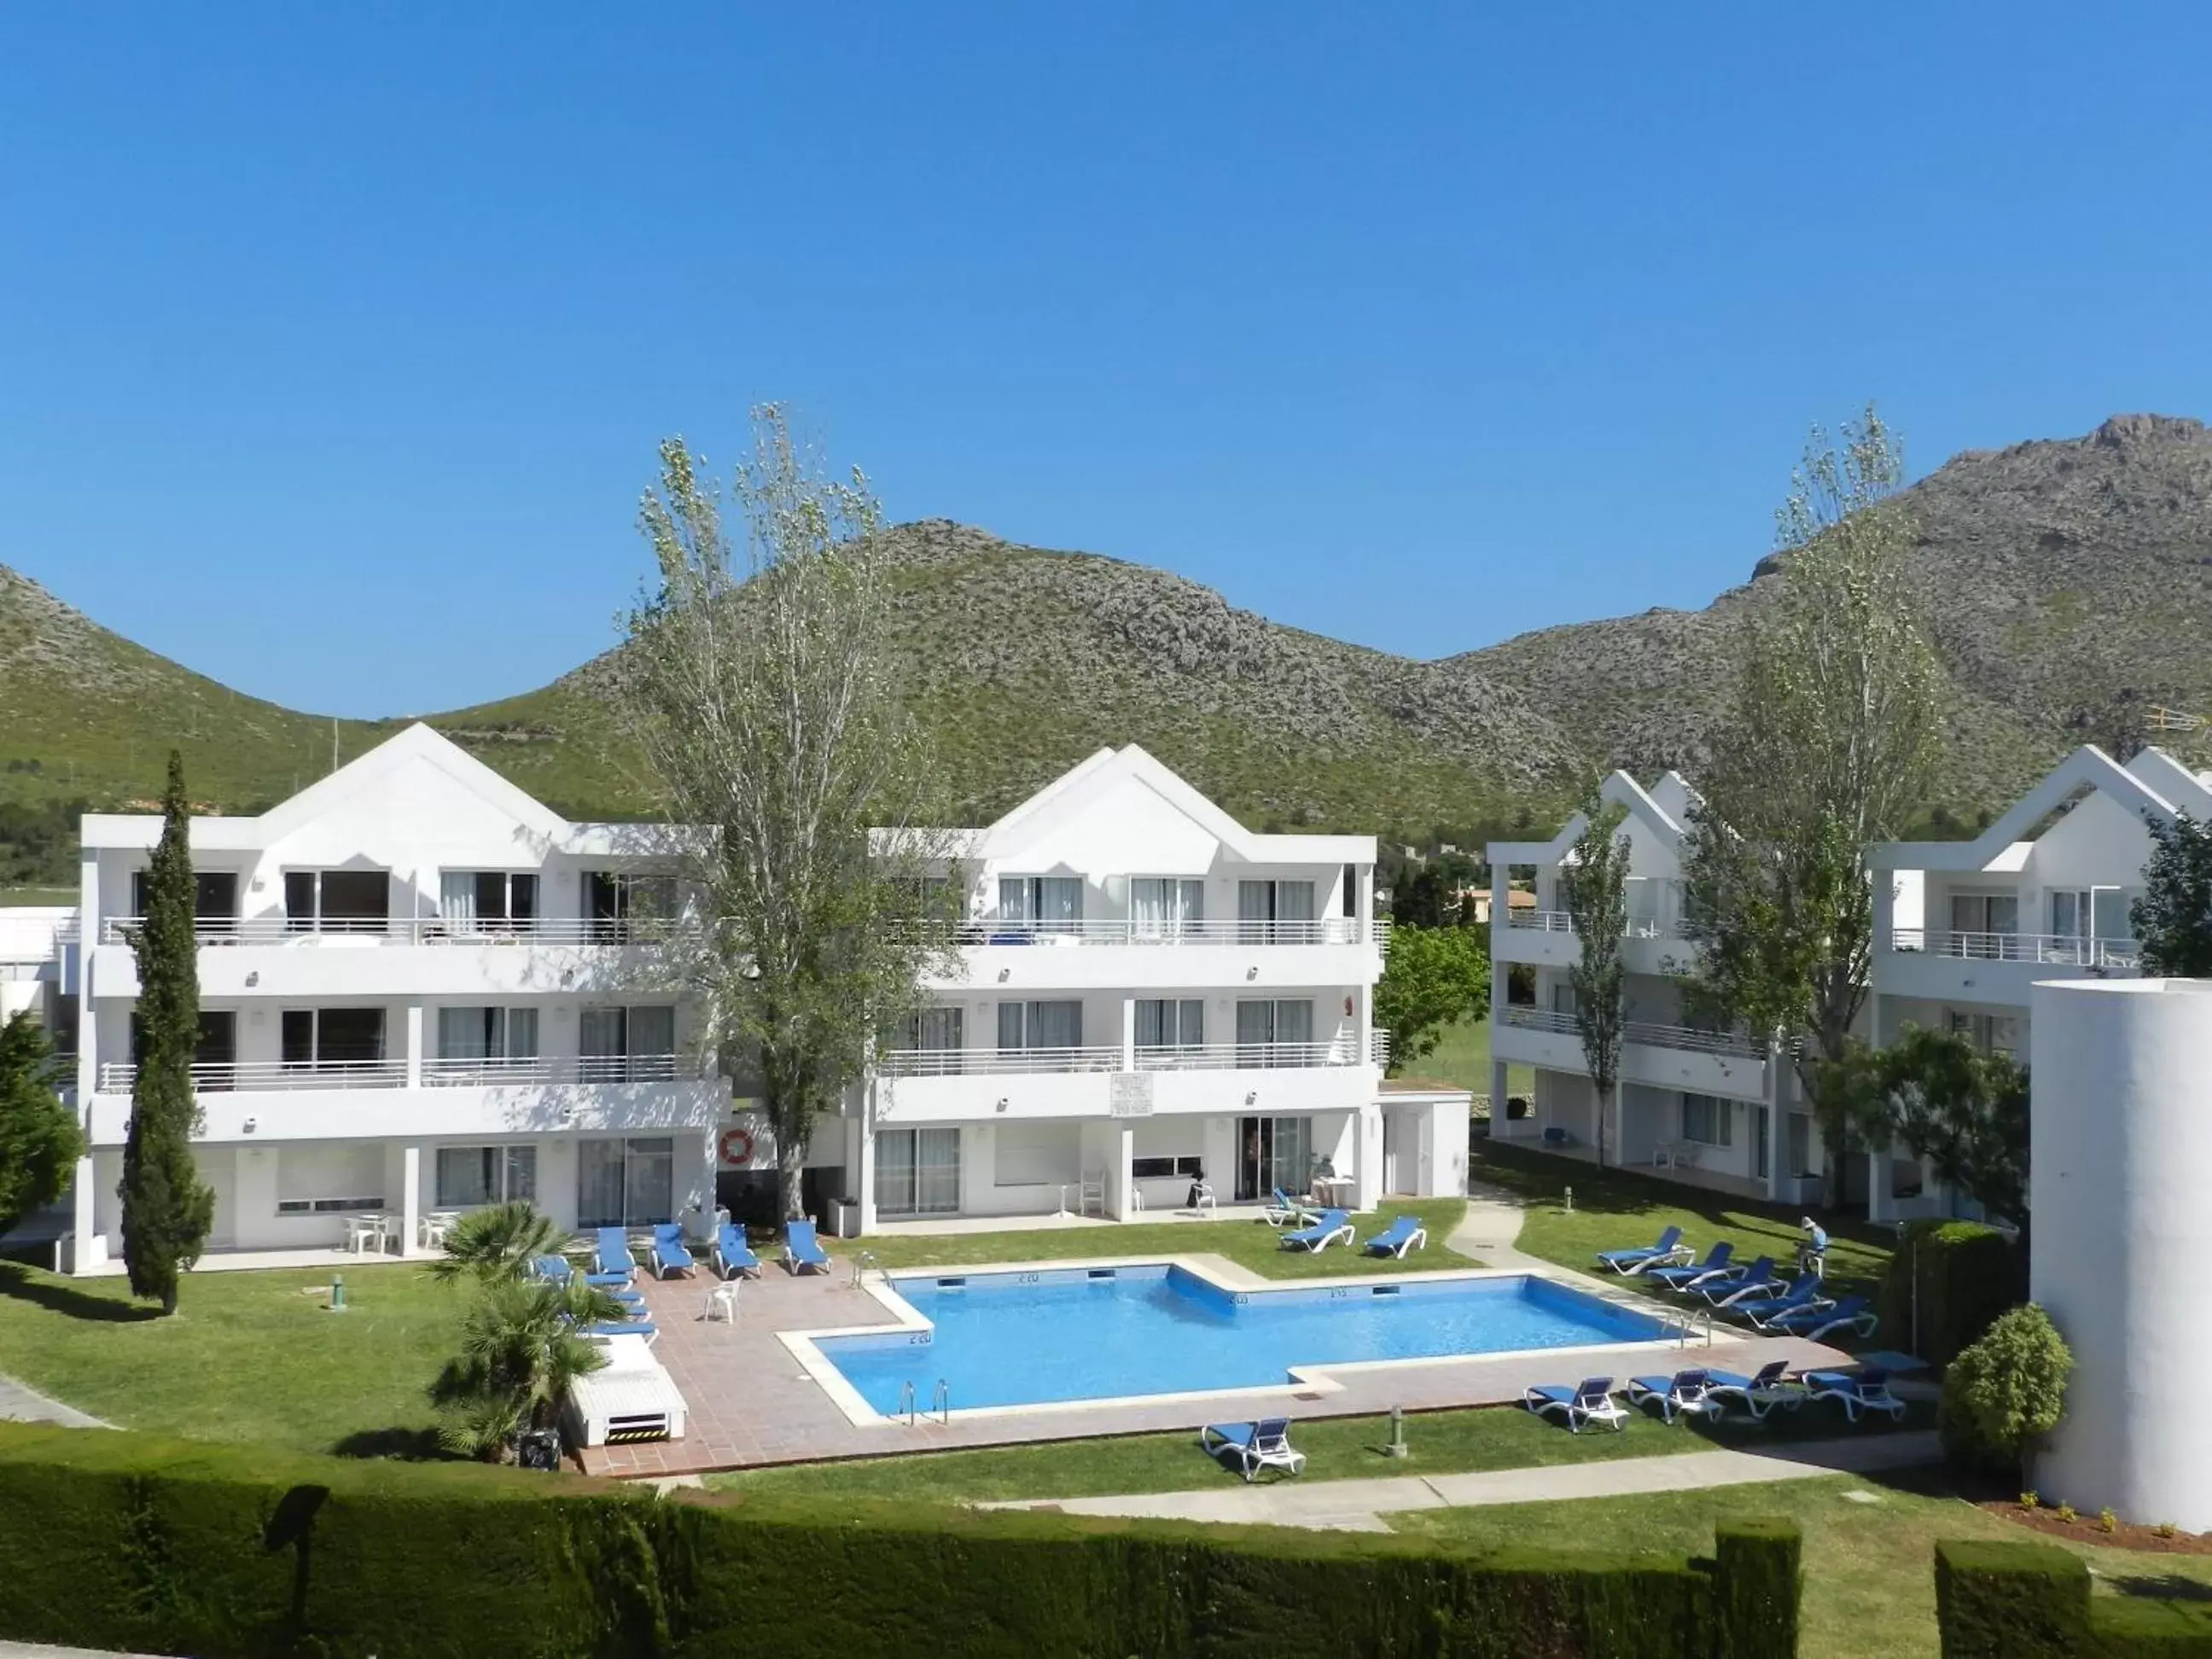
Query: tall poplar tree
(1594,888)
(167,1210)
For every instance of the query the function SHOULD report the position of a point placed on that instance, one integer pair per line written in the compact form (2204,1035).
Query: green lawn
(248,1356)
(1246,1241)
(1613,1208)
(1336,1448)
(1462,1058)
(1869,1559)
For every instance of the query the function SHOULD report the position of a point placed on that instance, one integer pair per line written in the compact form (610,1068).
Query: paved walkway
(21,1404)
(1360,1505)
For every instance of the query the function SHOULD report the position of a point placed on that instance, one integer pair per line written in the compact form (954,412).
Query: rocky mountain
(2068,583)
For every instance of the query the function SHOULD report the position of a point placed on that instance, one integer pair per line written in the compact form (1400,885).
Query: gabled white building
(1963,929)
(420,990)
(1148,993)
(1709,1107)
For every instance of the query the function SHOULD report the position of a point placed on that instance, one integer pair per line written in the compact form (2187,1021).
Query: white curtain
(521,1034)
(1294,1022)
(1148,907)
(457,896)
(1294,900)
(1055,1025)
(465,1033)
(1013,898)
(1060,900)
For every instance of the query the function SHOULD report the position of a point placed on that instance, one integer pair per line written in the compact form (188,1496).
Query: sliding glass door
(917,1171)
(1271,1152)
(625,1183)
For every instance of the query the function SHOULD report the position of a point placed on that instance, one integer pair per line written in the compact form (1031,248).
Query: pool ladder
(1686,1322)
(940,1402)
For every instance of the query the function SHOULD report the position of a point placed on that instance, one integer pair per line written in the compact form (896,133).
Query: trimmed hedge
(1968,1274)
(2033,1602)
(113,1540)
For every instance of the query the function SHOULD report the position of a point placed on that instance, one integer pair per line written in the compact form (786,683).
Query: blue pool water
(1018,1339)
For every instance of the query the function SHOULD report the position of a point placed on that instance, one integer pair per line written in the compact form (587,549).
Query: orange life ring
(736,1146)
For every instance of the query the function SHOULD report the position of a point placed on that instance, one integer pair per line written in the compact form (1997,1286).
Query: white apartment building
(1148,993)
(419,990)
(1709,1107)
(1963,929)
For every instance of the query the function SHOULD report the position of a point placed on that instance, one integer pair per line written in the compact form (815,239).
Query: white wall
(2121,1120)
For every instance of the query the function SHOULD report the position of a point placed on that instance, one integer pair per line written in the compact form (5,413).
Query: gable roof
(416,745)
(2153,785)
(1617,789)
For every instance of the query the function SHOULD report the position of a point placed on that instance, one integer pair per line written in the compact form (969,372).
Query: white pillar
(414,1045)
(1120,1189)
(860,1157)
(1128,1034)
(1367,1160)
(1879,1203)
(86,1249)
(410,1198)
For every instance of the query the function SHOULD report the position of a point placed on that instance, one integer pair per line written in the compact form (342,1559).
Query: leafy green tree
(2004,1392)
(498,1242)
(520,1349)
(2173,918)
(1435,977)
(1593,889)
(761,690)
(39,1140)
(1965,1112)
(1832,735)
(166,1209)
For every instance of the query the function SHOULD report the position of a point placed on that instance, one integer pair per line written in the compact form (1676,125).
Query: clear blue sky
(334,341)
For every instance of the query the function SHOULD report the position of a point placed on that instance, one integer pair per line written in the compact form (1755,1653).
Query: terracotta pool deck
(752,1403)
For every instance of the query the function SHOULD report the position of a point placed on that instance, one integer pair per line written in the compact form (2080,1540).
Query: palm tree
(520,1349)
(497,1242)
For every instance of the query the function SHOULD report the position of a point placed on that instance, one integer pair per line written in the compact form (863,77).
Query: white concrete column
(85,1250)
(1367,1163)
(861,1158)
(1879,1205)
(411,1198)
(1128,1034)
(414,1045)
(1120,1189)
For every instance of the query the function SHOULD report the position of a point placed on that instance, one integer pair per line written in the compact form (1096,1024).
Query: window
(618,902)
(213,1055)
(1164,906)
(1041,905)
(626,1045)
(486,1043)
(1351,906)
(939,1033)
(214,898)
(1708,1121)
(625,1183)
(329,1180)
(1275,1033)
(1275,912)
(1164,1169)
(1993,1034)
(316,1037)
(1169,1023)
(470,1175)
(336,900)
(1271,1152)
(488,901)
(1982,924)
(1040,1025)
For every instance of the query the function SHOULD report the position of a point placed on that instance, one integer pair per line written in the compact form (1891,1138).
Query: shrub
(2033,1602)
(2005,1390)
(117,1540)
(1967,1275)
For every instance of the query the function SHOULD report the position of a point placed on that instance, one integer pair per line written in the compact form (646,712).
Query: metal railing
(1649,1033)
(1166,1057)
(2046,949)
(217,931)
(230,1077)
(1131,930)
(1541,921)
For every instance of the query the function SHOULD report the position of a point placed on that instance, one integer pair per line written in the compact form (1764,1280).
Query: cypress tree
(167,1210)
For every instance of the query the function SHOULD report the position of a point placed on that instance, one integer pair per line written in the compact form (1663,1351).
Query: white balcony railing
(214,931)
(228,1077)
(2043,949)
(1649,1033)
(1541,921)
(1178,1057)
(1125,930)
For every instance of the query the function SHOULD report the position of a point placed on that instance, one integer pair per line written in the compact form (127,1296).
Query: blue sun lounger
(558,1270)
(733,1256)
(1804,1291)
(1406,1233)
(1687,1392)
(801,1249)
(1285,1210)
(670,1254)
(1760,1393)
(644,1329)
(1818,1323)
(1697,1273)
(612,1255)
(1589,1400)
(1668,1250)
(1328,1228)
(1253,1447)
(1856,1391)
(1743,1284)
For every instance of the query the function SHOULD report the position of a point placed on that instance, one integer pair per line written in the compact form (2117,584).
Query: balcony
(1655,1054)
(300,932)
(1134,953)
(2042,950)
(234,1076)
(1178,1057)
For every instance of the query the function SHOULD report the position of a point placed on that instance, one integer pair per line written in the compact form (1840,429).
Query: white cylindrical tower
(2120,1131)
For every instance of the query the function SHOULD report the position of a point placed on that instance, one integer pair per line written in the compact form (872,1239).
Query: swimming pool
(1055,1335)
